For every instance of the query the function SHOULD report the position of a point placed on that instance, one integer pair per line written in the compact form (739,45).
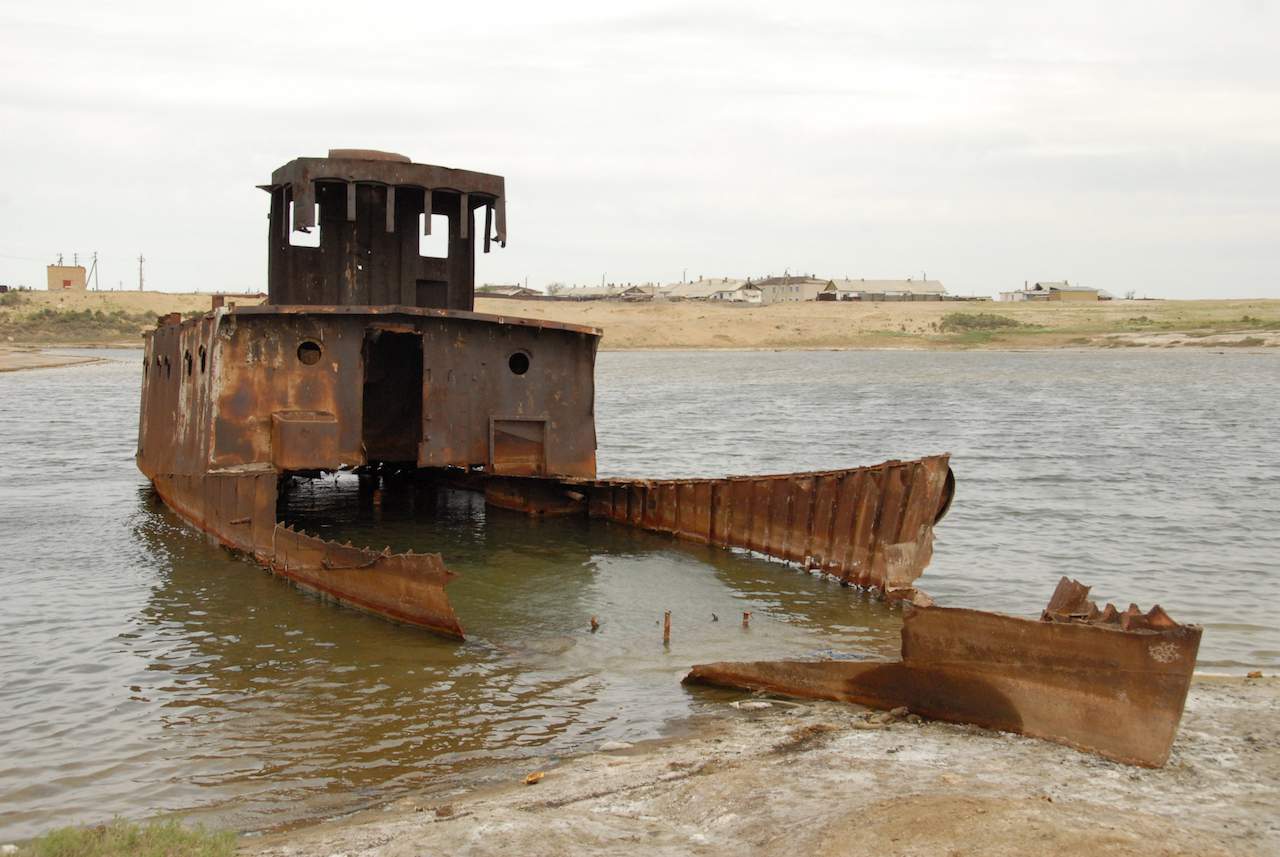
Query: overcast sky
(1124,146)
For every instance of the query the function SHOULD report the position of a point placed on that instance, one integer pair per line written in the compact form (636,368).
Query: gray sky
(1121,145)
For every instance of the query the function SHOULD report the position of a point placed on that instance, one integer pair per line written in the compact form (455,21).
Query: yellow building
(68,278)
(1064,291)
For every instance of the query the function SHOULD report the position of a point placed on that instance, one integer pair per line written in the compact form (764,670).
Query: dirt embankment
(91,318)
(915,325)
(118,318)
(822,779)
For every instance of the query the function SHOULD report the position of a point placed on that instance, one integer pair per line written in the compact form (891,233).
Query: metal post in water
(666,628)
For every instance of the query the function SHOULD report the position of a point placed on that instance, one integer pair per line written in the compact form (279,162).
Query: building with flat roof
(67,278)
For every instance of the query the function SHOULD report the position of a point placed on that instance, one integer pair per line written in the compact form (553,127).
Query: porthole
(518,363)
(309,352)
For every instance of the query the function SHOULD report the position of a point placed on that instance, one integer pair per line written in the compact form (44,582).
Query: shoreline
(775,777)
(14,357)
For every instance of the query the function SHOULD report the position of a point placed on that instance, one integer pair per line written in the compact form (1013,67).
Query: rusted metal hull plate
(869,526)
(1092,686)
(405,587)
(238,510)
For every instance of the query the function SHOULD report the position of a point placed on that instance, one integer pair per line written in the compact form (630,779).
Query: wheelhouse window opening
(309,238)
(434,245)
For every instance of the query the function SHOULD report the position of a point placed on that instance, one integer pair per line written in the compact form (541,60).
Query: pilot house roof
(368,166)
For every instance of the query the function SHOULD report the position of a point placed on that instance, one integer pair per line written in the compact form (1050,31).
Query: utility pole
(93,271)
(140,261)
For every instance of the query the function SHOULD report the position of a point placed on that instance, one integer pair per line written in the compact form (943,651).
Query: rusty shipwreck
(368,356)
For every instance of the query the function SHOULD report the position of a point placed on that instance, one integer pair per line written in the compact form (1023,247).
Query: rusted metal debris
(1088,679)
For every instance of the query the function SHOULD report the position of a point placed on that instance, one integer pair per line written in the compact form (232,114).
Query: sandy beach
(118,318)
(775,777)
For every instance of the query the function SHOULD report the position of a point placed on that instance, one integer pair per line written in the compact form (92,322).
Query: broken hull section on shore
(1112,687)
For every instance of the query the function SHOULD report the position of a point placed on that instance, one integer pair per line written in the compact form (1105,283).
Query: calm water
(142,670)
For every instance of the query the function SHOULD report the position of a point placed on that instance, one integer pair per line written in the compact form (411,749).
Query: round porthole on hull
(309,352)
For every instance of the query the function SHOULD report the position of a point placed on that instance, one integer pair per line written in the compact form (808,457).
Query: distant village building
(701,290)
(66,278)
(738,293)
(788,289)
(588,293)
(1054,291)
(883,290)
(502,291)
(638,293)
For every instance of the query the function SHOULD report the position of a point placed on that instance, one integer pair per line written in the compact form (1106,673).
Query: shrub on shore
(964,322)
(122,838)
(59,326)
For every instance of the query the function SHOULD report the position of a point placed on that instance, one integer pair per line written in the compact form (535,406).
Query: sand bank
(820,779)
(13,359)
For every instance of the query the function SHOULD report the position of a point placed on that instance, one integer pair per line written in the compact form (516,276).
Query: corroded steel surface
(405,587)
(1090,684)
(238,509)
(867,526)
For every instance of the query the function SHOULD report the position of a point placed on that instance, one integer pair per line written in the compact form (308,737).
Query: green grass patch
(969,322)
(125,839)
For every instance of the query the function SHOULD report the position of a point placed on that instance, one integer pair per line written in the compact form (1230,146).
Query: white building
(700,290)
(884,290)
